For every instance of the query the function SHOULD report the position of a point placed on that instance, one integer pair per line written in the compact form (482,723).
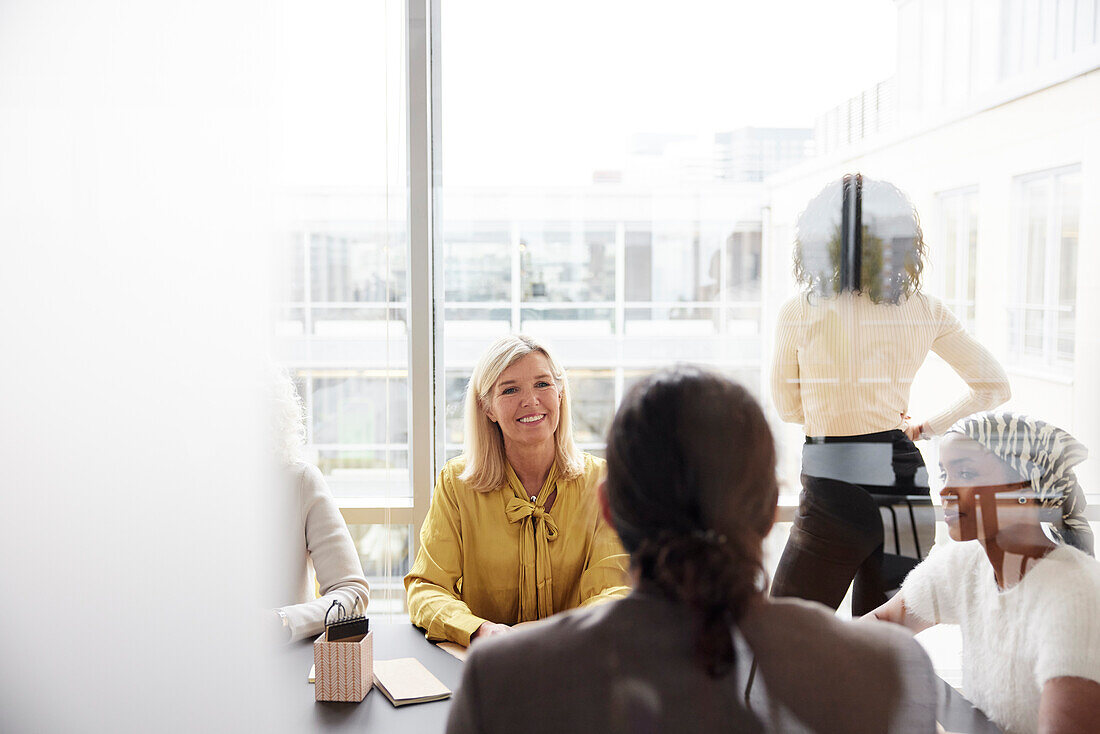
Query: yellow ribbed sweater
(844,366)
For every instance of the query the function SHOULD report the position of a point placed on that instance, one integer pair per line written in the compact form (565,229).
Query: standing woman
(847,349)
(514,533)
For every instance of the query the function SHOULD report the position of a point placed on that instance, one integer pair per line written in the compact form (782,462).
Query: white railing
(867,114)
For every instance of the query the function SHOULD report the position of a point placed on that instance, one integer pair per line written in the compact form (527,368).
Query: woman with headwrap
(847,350)
(1027,593)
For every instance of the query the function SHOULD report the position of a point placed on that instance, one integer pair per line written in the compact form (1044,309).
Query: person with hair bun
(513,533)
(697,646)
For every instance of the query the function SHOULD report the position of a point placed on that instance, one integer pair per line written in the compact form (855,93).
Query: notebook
(406,681)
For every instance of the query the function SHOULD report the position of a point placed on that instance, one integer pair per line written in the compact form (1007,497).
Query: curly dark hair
(692,491)
(893,250)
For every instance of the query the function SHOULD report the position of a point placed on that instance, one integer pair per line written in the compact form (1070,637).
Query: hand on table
(488,629)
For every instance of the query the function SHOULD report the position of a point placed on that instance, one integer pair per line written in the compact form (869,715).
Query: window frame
(1016,300)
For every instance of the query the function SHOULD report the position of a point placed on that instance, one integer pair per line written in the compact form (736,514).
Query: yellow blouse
(496,556)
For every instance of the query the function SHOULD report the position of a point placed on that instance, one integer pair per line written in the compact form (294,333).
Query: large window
(632,209)
(610,201)
(619,229)
(343,314)
(1043,302)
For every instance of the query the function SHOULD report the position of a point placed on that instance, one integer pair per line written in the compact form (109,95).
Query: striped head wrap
(1044,455)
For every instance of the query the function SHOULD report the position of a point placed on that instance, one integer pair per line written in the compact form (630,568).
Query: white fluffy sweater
(1013,641)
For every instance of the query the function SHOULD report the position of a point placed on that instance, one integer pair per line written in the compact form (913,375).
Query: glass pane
(1067,335)
(638,263)
(972,246)
(454,410)
(385,552)
(344,293)
(1015,332)
(359,408)
(743,257)
(292,285)
(950,249)
(567,265)
(684,268)
(1033,331)
(1070,196)
(1036,204)
(356,268)
(593,404)
(477,260)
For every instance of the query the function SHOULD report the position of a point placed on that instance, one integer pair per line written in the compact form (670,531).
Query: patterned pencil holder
(343,670)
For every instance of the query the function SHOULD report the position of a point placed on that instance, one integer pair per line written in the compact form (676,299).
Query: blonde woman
(310,530)
(514,531)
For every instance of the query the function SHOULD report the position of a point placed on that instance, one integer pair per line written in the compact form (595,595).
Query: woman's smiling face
(525,402)
(976,482)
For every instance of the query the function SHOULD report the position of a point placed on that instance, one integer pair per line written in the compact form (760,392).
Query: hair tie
(709,536)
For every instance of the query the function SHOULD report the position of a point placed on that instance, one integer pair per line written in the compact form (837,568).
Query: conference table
(403,640)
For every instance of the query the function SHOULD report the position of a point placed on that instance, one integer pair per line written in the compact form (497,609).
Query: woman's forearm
(896,612)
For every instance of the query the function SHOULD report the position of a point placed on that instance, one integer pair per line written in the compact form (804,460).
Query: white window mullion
(421,382)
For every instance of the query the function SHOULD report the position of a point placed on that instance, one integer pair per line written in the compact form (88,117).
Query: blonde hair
(484,448)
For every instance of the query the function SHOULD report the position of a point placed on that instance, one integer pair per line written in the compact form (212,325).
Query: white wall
(133,141)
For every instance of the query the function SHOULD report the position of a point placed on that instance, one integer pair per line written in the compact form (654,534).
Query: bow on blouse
(537,529)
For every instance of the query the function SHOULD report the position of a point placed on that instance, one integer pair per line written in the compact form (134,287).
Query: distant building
(754,153)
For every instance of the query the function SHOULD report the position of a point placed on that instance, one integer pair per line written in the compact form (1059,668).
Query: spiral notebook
(406,680)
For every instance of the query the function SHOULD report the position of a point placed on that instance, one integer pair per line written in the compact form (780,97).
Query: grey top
(629,666)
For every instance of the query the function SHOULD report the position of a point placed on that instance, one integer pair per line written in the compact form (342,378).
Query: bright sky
(544,93)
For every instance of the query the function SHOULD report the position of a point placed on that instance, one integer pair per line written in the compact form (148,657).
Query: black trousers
(837,536)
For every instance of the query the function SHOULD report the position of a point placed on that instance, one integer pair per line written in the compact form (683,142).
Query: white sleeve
(1064,618)
(339,572)
(932,590)
(986,381)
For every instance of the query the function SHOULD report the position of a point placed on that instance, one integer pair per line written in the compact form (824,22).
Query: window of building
(1043,302)
(958,256)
